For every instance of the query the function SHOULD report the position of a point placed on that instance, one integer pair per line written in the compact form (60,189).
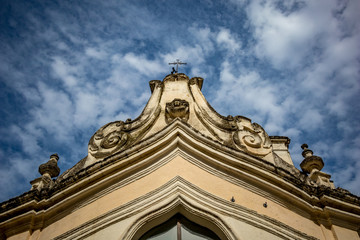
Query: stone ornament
(116,136)
(310,161)
(312,165)
(197,80)
(155,83)
(251,137)
(50,168)
(178,108)
(48,171)
(108,139)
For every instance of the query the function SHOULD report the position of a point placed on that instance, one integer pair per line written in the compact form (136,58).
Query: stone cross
(177,63)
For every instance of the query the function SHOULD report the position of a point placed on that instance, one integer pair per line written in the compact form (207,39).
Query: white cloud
(55,112)
(64,71)
(143,65)
(95,53)
(28,136)
(311,119)
(287,38)
(248,92)
(226,40)
(292,132)
(204,37)
(87,107)
(193,55)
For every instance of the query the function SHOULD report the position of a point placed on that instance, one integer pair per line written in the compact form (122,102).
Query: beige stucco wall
(210,183)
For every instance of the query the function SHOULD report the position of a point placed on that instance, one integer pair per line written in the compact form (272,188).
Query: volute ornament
(108,139)
(251,137)
(178,108)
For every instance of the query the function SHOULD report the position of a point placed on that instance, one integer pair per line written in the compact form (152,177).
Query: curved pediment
(177,108)
(177,96)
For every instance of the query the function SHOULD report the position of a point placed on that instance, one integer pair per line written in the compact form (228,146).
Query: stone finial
(50,168)
(310,161)
(312,165)
(48,171)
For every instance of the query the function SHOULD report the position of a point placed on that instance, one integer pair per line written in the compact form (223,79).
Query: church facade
(182,171)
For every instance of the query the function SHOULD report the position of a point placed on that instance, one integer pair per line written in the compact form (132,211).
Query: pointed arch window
(179,228)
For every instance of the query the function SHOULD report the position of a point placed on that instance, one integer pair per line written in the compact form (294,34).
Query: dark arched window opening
(179,228)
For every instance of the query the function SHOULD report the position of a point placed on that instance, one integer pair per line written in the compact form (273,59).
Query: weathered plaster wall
(202,179)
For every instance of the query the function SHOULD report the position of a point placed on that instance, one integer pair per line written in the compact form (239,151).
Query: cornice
(235,166)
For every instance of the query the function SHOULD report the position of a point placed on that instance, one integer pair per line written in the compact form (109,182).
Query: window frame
(180,222)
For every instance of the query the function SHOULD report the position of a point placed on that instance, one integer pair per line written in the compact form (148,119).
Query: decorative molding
(176,138)
(181,196)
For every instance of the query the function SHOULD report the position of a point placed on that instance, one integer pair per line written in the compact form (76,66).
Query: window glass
(189,231)
(193,231)
(169,234)
(165,231)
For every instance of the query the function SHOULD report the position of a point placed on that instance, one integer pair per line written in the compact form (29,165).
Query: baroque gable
(178,97)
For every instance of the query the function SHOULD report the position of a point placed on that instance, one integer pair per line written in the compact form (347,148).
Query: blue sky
(69,67)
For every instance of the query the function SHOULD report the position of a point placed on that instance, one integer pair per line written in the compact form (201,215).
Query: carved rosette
(251,138)
(178,108)
(109,139)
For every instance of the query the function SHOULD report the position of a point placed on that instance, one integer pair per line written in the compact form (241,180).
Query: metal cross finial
(177,63)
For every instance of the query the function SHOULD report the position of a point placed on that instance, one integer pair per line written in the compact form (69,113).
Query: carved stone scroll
(108,139)
(251,138)
(178,108)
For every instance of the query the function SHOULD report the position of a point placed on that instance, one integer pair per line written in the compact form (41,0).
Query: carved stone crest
(178,108)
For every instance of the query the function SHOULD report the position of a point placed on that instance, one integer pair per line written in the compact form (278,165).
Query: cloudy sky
(69,67)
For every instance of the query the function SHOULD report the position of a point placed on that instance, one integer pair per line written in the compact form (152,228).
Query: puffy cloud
(226,40)
(143,65)
(248,92)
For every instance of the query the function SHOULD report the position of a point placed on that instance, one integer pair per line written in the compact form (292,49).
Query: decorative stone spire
(312,165)
(48,171)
